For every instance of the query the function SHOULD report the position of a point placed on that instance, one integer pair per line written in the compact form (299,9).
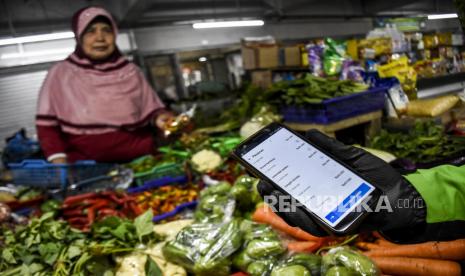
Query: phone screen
(321,184)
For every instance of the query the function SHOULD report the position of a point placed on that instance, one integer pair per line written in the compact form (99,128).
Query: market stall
(191,208)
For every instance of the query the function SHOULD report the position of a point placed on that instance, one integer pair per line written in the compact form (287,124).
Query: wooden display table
(372,119)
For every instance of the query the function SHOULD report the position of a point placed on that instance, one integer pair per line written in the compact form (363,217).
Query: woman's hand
(59,160)
(163,119)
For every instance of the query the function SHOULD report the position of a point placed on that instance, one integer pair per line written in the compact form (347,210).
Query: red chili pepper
(79,204)
(73,213)
(112,196)
(78,220)
(92,209)
(77,198)
(135,208)
(107,211)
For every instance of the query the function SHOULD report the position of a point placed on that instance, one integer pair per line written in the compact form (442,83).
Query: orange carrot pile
(264,214)
(416,266)
(303,246)
(368,245)
(452,250)
(428,258)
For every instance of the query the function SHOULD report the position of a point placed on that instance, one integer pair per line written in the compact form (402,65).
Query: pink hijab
(83,96)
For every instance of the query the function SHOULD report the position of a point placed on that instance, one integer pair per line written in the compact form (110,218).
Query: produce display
(165,199)
(231,231)
(81,211)
(311,90)
(425,142)
(51,247)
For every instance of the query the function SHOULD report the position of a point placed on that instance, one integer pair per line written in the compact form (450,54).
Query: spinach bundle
(425,142)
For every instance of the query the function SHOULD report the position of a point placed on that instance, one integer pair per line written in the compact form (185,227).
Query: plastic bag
(333,57)
(431,107)
(19,147)
(315,57)
(245,192)
(205,248)
(351,70)
(349,261)
(261,249)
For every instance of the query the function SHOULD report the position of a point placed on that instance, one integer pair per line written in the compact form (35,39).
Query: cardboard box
(292,56)
(262,78)
(268,57)
(249,57)
(259,57)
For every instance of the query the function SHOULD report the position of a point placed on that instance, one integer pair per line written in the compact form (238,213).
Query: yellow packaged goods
(380,46)
(445,39)
(431,107)
(401,70)
(431,41)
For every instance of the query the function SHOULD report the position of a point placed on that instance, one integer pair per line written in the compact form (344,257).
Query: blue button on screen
(348,202)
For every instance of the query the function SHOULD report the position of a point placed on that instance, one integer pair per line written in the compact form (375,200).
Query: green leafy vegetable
(425,142)
(143,224)
(151,268)
(311,90)
(50,247)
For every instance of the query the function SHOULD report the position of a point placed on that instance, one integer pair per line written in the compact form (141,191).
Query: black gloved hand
(375,171)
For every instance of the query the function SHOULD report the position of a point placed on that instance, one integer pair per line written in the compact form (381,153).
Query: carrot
(303,246)
(368,245)
(264,214)
(240,273)
(451,250)
(385,243)
(416,266)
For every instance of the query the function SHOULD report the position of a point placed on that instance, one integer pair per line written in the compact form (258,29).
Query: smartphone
(327,189)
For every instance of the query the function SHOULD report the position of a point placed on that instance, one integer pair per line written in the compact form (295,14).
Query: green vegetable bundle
(344,261)
(261,249)
(205,248)
(426,142)
(216,204)
(245,192)
(50,247)
(311,90)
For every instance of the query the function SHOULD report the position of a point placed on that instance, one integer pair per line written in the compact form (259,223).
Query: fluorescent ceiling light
(202,59)
(228,24)
(36,38)
(37,53)
(442,16)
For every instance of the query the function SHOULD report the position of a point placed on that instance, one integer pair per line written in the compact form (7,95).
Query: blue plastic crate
(336,109)
(39,173)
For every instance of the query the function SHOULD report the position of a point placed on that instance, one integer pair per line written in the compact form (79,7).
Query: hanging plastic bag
(333,57)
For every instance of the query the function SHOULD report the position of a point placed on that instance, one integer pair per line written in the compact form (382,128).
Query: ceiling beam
(134,9)
(170,19)
(372,7)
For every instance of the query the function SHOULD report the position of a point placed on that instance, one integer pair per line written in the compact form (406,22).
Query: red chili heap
(82,210)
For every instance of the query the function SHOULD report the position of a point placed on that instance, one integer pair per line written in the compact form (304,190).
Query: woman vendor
(97,105)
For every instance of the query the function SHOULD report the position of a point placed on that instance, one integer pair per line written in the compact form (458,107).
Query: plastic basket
(336,109)
(160,183)
(163,170)
(39,173)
